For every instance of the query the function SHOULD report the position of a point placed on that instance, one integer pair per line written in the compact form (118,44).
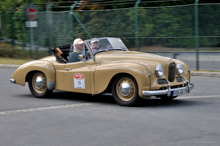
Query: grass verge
(214,71)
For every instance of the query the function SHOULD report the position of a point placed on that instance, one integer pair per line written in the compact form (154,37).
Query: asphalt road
(70,119)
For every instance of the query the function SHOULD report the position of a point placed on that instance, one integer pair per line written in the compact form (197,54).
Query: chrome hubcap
(39,82)
(125,89)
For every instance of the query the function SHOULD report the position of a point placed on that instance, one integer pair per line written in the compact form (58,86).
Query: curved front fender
(39,65)
(104,74)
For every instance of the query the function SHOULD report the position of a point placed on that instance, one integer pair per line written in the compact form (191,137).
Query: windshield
(105,44)
(117,43)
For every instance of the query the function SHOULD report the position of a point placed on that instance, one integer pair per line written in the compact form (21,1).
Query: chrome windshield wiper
(122,49)
(106,50)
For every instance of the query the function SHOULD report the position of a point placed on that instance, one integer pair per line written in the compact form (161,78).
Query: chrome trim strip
(12,81)
(67,69)
(168,90)
(51,85)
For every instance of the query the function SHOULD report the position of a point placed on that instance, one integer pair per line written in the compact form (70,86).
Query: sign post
(0,24)
(0,27)
(30,12)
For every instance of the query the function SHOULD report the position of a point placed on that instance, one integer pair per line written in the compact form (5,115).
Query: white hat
(78,41)
(95,41)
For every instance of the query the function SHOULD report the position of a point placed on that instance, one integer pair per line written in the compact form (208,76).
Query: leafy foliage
(7,50)
(164,26)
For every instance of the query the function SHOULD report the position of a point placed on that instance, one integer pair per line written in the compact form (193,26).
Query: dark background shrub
(7,50)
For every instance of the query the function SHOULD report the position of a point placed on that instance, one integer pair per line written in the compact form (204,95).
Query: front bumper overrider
(168,91)
(12,81)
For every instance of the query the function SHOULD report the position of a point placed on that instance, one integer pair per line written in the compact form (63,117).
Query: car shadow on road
(108,99)
(62,95)
(155,102)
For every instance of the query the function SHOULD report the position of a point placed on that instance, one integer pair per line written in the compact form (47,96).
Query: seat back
(60,57)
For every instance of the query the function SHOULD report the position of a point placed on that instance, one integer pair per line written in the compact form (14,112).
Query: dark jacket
(73,57)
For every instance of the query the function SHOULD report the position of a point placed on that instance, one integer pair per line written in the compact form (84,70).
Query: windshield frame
(124,48)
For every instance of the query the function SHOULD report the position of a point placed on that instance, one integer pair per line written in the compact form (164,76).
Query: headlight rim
(158,68)
(179,67)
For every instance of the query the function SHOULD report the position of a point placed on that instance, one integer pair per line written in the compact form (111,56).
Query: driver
(78,49)
(94,45)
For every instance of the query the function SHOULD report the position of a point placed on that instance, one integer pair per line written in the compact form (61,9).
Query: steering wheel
(86,57)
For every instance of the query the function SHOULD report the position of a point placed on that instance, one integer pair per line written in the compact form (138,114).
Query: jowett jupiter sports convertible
(128,75)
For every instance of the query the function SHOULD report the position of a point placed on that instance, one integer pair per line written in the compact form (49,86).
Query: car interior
(62,52)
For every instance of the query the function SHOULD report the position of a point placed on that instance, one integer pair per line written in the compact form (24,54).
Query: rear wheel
(125,90)
(38,85)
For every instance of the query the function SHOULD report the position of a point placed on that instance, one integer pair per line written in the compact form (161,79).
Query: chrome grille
(179,79)
(171,75)
(162,81)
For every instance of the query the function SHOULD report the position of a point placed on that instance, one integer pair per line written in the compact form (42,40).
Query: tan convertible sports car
(112,68)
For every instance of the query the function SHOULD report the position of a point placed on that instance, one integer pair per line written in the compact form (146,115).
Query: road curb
(206,74)
(9,66)
(203,74)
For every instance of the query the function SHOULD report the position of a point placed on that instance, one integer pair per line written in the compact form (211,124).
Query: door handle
(67,69)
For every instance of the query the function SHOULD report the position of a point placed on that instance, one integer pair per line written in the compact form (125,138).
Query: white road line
(87,104)
(45,108)
(203,96)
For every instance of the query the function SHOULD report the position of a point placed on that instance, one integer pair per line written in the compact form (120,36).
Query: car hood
(132,56)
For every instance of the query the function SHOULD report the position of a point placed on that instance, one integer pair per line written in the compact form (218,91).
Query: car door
(78,76)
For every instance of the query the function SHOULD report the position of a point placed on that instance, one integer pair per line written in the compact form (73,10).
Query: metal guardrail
(34,48)
(22,43)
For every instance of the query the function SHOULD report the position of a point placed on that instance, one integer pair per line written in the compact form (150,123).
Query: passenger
(78,49)
(94,45)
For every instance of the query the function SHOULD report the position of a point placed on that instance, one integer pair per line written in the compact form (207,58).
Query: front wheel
(125,90)
(38,85)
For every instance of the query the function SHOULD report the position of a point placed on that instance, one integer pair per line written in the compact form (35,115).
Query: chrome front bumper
(168,91)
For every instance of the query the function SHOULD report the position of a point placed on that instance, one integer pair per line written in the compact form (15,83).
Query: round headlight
(179,68)
(159,71)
